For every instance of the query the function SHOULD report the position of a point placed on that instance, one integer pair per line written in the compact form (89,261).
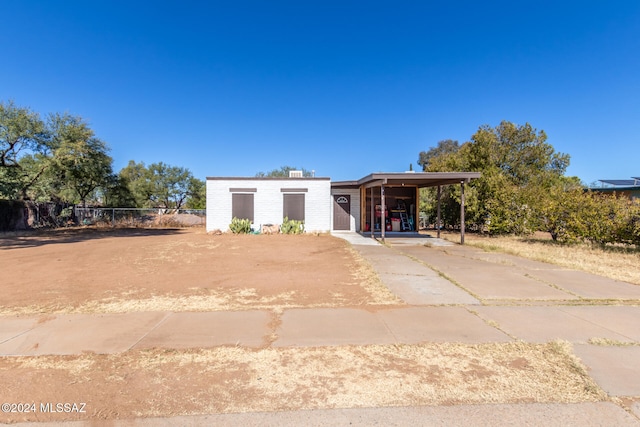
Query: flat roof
(624,182)
(265,178)
(420,179)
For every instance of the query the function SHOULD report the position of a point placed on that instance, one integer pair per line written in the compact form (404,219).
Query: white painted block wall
(355,206)
(268,201)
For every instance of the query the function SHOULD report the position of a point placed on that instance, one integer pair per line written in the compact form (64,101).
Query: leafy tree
(629,229)
(117,193)
(519,153)
(80,159)
(60,159)
(283,172)
(444,148)
(169,185)
(558,207)
(38,182)
(20,130)
(135,177)
(515,162)
(197,194)
(162,185)
(22,134)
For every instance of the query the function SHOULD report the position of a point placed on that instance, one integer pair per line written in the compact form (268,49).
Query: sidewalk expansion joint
(595,324)
(395,338)
(552,285)
(491,323)
(20,334)
(441,274)
(166,316)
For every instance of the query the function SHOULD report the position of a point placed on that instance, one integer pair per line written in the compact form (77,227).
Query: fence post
(113,217)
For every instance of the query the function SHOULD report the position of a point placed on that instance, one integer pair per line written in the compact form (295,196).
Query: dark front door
(341,212)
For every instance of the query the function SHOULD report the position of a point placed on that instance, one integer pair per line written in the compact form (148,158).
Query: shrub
(240,226)
(291,226)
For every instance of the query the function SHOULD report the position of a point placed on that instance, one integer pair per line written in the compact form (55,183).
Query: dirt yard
(105,270)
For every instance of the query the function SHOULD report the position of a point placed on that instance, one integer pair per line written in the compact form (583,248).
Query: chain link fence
(130,217)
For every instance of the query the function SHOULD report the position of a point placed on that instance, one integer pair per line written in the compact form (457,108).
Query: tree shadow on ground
(35,238)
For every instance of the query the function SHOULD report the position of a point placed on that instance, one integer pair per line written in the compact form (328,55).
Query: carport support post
(372,226)
(383,219)
(438,217)
(462,212)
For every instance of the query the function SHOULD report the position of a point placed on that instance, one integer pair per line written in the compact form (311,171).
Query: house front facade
(378,202)
(268,201)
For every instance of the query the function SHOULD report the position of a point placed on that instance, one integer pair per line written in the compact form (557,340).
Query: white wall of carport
(355,206)
(268,201)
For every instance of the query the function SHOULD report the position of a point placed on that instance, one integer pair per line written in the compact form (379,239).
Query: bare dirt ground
(105,270)
(98,270)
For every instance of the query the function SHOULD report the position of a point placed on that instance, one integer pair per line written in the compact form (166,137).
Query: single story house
(622,187)
(376,203)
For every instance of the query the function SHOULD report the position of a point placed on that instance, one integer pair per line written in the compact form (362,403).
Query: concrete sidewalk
(603,414)
(115,333)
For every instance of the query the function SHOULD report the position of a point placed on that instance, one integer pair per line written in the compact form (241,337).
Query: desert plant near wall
(291,226)
(240,226)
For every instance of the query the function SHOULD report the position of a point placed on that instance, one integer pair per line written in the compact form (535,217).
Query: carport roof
(421,179)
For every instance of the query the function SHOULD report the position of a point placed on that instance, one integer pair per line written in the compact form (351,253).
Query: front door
(342,212)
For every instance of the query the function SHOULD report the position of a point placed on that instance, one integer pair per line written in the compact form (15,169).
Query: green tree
(117,193)
(283,172)
(60,159)
(20,130)
(197,197)
(22,134)
(80,160)
(162,185)
(443,149)
(629,230)
(135,177)
(169,185)
(520,153)
(515,162)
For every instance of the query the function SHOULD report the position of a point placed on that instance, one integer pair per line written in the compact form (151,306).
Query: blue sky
(343,88)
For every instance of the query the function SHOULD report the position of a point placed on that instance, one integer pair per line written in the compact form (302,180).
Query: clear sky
(340,87)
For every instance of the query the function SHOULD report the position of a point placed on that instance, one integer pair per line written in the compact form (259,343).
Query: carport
(402,189)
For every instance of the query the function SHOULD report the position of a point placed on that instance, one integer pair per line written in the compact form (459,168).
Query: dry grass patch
(614,262)
(227,300)
(607,342)
(233,379)
(379,293)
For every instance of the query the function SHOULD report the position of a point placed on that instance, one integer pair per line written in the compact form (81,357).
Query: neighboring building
(622,187)
(391,199)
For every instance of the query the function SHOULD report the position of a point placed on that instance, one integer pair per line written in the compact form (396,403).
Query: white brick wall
(355,206)
(268,201)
